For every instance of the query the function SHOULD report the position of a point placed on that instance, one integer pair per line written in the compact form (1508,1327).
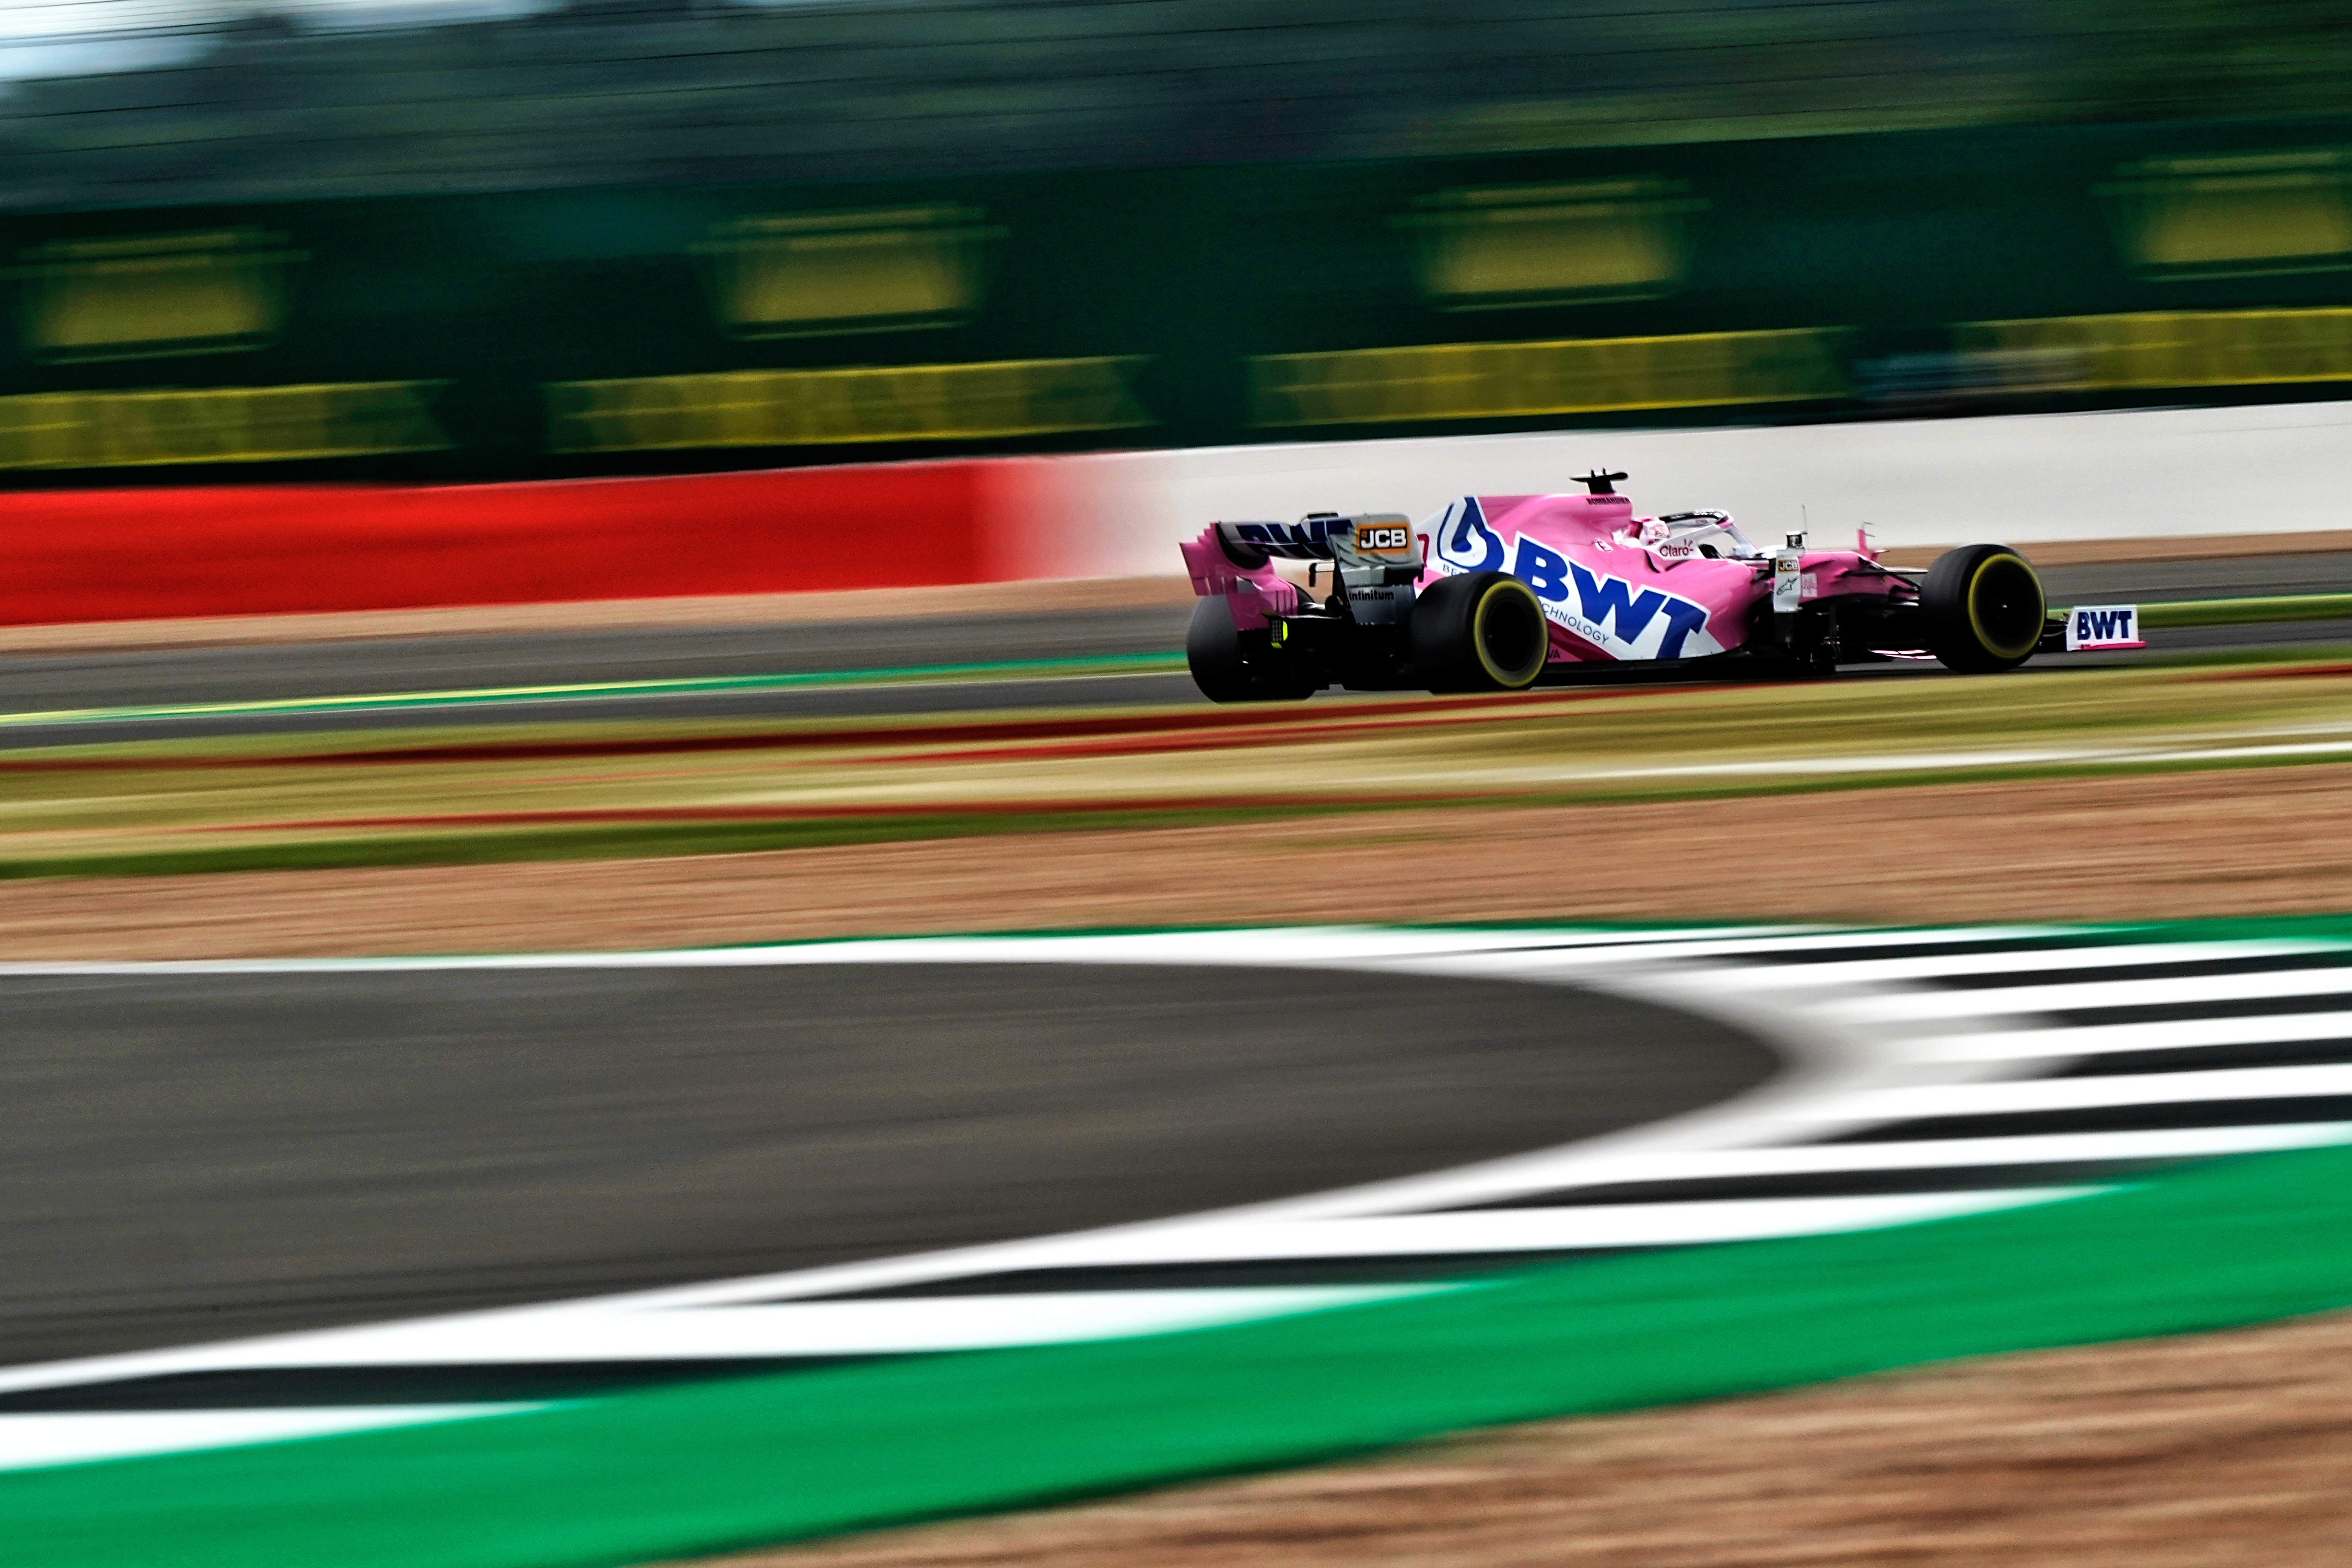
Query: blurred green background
(609,237)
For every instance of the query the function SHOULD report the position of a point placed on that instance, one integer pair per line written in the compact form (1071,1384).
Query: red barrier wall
(104,555)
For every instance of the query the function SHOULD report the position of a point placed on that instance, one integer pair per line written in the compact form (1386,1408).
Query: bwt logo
(2103,625)
(1372,540)
(1606,611)
(1601,603)
(1463,540)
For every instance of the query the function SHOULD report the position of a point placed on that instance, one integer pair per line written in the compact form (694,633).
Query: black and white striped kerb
(1932,1073)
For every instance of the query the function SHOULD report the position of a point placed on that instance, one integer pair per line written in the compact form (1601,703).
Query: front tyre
(1983,609)
(1231,666)
(1479,631)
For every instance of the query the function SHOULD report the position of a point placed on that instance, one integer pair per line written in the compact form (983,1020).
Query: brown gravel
(2241,842)
(2219,1449)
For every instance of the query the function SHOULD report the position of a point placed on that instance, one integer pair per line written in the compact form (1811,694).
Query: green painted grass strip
(2330,928)
(2246,612)
(733,1465)
(1008,669)
(635,840)
(475,847)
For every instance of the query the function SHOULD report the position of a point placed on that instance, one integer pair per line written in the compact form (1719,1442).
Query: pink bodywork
(1253,594)
(1614,587)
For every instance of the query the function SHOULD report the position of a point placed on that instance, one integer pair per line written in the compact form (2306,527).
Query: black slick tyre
(1479,631)
(1984,608)
(1231,666)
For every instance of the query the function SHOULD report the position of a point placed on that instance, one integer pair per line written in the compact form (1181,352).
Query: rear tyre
(1479,631)
(1231,666)
(1984,608)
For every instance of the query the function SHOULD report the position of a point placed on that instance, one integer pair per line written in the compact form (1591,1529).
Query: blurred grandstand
(202,102)
(488,238)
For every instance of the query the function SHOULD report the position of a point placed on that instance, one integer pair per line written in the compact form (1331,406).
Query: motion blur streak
(525,239)
(522,93)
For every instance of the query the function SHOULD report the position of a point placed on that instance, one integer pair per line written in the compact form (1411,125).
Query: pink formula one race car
(1498,592)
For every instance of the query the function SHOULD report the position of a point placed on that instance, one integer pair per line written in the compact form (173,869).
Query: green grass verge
(143,823)
(2240,928)
(2284,653)
(2246,612)
(650,840)
(479,848)
(730,1465)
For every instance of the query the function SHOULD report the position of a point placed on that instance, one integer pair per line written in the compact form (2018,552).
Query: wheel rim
(1510,635)
(2005,606)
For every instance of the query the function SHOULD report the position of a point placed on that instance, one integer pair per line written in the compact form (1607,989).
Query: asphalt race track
(199,1156)
(45,681)
(54,682)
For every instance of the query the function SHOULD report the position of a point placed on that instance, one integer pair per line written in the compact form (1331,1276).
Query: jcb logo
(1383,539)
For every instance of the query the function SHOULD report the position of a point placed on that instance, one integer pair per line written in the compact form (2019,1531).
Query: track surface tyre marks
(37,681)
(198,1157)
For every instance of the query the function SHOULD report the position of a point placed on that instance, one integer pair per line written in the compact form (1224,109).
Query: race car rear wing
(1367,539)
(1376,559)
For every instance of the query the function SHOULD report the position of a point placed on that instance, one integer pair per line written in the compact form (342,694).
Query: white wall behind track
(2180,472)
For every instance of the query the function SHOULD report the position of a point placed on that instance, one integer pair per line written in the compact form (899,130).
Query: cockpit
(1709,534)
